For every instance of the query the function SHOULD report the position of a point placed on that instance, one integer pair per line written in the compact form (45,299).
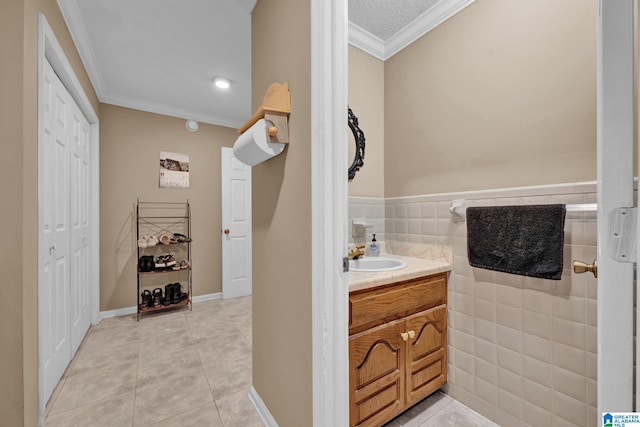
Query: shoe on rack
(160,261)
(181,238)
(145,264)
(169,260)
(152,241)
(142,242)
(164,239)
(146,296)
(157,297)
(177,293)
(168,294)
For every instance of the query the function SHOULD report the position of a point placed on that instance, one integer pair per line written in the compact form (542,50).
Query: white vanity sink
(376,264)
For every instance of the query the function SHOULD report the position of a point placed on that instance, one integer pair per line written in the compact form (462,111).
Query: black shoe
(177,293)
(157,297)
(146,296)
(168,294)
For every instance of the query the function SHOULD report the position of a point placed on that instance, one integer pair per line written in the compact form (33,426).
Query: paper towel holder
(275,108)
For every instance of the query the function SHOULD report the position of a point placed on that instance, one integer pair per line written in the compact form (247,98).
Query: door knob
(580,267)
(405,336)
(226,231)
(412,334)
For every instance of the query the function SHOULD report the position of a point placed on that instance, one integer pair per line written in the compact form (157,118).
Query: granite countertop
(416,267)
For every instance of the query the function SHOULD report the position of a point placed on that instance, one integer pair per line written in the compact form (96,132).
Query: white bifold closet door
(64,229)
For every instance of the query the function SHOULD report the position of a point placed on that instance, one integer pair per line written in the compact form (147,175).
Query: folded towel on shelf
(524,240)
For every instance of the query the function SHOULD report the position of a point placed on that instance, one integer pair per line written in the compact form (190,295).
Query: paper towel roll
(252,146)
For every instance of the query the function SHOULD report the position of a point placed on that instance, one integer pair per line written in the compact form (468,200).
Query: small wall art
(174,170)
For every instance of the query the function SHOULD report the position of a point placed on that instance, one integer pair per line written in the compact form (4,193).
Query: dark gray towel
(524,240)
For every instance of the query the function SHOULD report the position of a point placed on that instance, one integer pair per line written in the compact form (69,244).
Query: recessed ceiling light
(222,82)
(192,125)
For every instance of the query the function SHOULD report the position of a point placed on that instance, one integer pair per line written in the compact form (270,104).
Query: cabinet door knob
(226,231)
(412,334)
(405,336)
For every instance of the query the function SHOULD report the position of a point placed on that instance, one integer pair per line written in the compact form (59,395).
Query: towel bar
(582,207)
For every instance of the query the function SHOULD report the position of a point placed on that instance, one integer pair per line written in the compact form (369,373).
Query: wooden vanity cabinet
(397,347)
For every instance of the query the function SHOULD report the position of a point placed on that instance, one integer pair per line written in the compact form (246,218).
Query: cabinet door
(376,374)
(426,357)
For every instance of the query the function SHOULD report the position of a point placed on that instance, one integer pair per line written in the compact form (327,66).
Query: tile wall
(522,350)
(371,209)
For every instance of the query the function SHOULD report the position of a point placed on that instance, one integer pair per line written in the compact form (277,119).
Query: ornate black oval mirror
(356,145)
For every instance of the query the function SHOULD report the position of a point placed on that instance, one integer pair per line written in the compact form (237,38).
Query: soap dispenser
(374,249)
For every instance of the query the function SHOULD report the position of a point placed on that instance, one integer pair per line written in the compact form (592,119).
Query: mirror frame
(358,158)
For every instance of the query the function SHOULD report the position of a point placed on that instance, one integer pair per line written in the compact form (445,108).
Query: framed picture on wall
(174,170)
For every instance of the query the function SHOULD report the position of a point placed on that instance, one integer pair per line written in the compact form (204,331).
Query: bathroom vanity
(397,339)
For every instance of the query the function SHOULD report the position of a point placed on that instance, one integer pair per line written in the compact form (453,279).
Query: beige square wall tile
(537,324)
(463,341)
(569,358)
(486,350)
(538,301)
(536,416)
(573,411)
(485,309)
(535,370)
(486,371)
(510,403)
(570,333)
(539,395)
(487,391)
(569,383)
(485,330)
(537,347)
(465,361)
(508,381)
(509,316)
(510,360)
(509,338)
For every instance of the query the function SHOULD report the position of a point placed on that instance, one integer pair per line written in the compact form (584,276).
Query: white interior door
(63,296)
(79,221)
(615,190)
(54,229)
(236,226)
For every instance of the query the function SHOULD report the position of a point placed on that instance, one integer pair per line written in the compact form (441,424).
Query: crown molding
(383,50)
(247,5)
(168,110)
(424,23)
(367,42)
(73,19)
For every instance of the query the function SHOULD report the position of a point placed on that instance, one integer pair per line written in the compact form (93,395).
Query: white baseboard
(132,310)
(115,313)
(261,408)
(207,297)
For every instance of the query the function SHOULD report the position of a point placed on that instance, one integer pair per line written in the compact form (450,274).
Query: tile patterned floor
(186,369)
(183,368)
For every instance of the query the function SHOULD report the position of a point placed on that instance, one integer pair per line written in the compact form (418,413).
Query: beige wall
(130,145)
(19,300)
(503,94)
(366,99)
(282,220)
(11,292)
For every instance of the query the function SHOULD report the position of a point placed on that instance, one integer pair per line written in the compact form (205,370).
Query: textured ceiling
(384,18)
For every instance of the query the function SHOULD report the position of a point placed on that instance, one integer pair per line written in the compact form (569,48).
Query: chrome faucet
(356,253)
